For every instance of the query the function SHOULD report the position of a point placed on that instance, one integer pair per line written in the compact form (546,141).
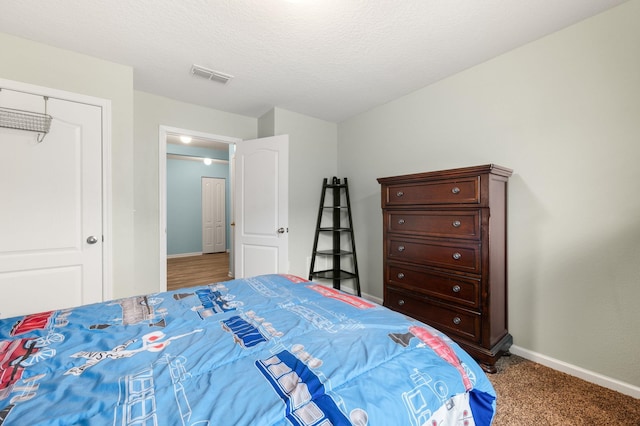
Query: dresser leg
(488,368)
(487,359)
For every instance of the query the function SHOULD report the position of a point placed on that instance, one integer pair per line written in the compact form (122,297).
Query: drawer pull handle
(400,302)
(456,224)
(400,275)
(456,288)
(401,222)
(457,320)
(399,194)
(400,248)
(457,256)
(455,190)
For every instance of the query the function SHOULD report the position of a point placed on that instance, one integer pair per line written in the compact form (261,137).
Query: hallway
(197,270)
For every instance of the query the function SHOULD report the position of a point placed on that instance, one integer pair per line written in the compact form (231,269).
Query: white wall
(564,113)
(42,65)
(312,157)
(151,111)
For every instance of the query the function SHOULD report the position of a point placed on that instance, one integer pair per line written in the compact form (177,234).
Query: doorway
(204,140)
(262,163)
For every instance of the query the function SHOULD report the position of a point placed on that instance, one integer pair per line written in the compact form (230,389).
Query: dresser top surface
(450,173)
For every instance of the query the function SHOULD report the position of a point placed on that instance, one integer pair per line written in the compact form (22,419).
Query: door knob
(92,240)
(280,230)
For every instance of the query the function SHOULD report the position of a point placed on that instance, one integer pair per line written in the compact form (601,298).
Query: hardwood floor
(197,270)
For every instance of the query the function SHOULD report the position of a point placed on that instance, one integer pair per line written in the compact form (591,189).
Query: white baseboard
(365,296)
(372,298)
(589,376)
(172,256)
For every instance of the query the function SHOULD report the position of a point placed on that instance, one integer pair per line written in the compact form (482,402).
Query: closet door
(51,215)
(214,224)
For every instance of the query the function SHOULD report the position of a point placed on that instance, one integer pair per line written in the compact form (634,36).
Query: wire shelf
(24,120)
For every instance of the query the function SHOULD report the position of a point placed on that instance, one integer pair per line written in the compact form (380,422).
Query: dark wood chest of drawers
(445,254)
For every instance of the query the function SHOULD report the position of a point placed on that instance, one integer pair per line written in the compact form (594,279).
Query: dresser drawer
(459,290)
(435,223)
(445,318)
(460,257)
(445,191)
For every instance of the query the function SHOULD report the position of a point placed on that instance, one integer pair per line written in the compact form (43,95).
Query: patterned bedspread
(268,350)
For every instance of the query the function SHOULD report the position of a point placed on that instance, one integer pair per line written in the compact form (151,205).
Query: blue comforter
(269,350)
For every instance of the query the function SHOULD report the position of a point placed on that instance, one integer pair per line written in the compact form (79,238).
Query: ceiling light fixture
(185,139)
(210,74)
(207,161)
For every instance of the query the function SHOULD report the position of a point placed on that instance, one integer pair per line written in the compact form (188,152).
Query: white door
(261,211)
(51,208)
(214,235)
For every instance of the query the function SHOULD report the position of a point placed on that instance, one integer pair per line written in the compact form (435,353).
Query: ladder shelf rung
(330,274)
(333,253)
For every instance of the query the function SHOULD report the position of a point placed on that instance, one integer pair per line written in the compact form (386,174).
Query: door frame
(163,132)
(105,108)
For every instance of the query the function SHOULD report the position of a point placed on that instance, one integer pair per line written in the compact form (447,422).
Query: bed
(267,350)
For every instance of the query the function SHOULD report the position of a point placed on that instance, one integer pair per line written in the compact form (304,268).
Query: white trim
(372,298)
(584,374)
(107,208)
(105,107)
(162,205)
(197,134)
(174,256)
(194,158)
(162,187)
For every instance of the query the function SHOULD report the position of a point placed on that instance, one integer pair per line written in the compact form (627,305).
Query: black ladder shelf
(341,225)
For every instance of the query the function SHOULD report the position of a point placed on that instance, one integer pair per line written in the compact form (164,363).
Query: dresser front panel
(457,256)
(445,254)
(463,291)
(445,191)
(435,223)
(445,318)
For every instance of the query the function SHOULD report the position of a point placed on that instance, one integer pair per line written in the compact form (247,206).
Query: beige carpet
(531,394)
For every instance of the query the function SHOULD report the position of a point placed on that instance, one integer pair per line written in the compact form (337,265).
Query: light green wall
(312,157)
(152,111)
(266,124)
(42,65)
(564,113)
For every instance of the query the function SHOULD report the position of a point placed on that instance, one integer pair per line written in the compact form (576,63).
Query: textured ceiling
(329,59)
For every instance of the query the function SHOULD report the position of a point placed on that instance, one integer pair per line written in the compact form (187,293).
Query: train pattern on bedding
(268,350)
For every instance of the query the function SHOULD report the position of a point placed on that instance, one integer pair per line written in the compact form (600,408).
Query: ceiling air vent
(210,74)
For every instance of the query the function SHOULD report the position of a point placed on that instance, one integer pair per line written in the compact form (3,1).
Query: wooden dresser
(445,254)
